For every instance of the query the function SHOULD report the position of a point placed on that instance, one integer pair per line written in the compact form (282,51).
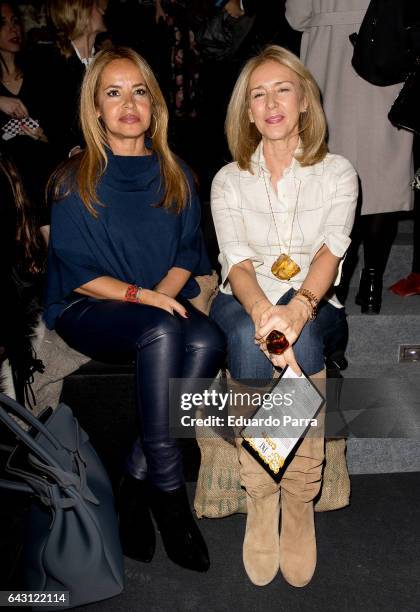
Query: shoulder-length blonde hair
(70,19)
(92,162)
(242,135)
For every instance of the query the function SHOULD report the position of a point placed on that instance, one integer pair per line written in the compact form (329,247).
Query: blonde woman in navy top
(124,245)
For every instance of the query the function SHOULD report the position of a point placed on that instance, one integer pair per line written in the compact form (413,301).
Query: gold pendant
(284,267)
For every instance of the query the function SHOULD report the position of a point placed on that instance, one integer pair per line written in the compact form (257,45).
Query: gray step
(385,455)
(383,370)
(373,351)
(375,339)
(406,226)
(382,456)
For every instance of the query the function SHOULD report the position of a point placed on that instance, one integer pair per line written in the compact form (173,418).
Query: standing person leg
(378,231)
(411,284)
(115,332)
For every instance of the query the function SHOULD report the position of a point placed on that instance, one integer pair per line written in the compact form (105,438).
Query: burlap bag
(59,360)
(209,288)
(219,491)
(335,491)
(219,494)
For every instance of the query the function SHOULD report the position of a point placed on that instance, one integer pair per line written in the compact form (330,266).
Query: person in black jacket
(19,99)
(60,67)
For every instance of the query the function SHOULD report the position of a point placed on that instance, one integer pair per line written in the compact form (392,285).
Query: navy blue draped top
(132,239)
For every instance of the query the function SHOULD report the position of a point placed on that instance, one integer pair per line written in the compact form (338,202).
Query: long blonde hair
(92,162)
(242,135)
(70,19)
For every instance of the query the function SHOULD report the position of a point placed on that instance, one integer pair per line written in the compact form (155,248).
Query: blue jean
(247,361)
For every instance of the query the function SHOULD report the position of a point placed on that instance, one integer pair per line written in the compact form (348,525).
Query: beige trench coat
(356,111)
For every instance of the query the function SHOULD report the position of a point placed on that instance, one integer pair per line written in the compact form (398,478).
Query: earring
(156,126)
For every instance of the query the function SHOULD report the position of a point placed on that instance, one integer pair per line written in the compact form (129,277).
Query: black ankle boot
(181,537)
(369,296)
(137,531)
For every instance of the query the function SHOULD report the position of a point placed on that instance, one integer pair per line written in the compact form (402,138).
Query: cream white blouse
(314,205)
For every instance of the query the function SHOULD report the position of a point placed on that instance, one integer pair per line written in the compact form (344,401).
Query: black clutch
(404,112)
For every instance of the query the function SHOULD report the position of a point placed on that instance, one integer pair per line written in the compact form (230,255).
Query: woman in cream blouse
(283,195)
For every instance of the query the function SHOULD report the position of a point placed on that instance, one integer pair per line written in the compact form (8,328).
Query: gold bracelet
(305,302)
(312,300)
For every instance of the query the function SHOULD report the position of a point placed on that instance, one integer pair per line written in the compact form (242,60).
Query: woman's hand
(159,12)
(258,309)
(289,319)
(233,7)
(161,300)
(13,107)
(35,133)
(108,288)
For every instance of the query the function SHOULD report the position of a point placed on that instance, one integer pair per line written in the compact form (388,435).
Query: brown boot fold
(297,540)
(261,542)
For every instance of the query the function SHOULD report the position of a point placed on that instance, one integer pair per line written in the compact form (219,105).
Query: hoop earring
(156,127)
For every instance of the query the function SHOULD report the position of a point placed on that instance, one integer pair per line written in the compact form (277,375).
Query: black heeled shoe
(137,532)
(181,536)
(369,296)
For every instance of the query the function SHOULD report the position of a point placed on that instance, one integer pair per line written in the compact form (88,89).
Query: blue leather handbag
(71,541)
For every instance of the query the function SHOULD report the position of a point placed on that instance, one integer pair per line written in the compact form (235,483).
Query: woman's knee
(245,359)
(206,334)
(159,324)
(242,331)
(309,349)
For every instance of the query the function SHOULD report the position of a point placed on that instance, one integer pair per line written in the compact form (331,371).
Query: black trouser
(164,347)
(378,233)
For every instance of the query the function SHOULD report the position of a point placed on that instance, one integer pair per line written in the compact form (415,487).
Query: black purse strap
(48,464)
(12,485)
(24,414)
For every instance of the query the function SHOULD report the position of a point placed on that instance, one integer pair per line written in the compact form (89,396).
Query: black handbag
(387,38)
(222,35)
(71,539)
(404,112)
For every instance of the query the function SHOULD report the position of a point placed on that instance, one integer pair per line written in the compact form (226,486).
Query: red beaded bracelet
(132,294)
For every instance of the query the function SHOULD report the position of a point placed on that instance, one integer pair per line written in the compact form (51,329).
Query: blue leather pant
(163,347)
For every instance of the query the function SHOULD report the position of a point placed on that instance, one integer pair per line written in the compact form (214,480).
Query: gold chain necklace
(284,268)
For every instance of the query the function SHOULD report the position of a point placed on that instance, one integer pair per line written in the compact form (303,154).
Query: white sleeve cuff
(236,255)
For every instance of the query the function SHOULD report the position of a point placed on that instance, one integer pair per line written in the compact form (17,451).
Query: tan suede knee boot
(300,484)
(261,542)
